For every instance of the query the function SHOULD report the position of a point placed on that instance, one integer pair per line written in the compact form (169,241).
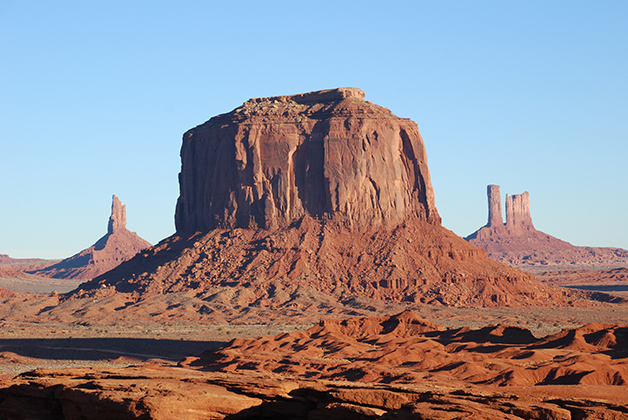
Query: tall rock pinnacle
(494,206)
(518,212)
(117,220)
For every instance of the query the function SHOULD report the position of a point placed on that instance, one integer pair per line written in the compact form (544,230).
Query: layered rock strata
(518,243)
(164,393)
(405,348)
(117,246)
(326,154)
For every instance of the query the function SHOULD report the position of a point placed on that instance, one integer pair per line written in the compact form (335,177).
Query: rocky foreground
(397,367)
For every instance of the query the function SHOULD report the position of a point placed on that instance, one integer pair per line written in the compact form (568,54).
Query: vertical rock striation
(518,212)
(328,155)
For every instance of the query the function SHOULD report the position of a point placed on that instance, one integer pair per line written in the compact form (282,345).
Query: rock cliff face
(326,154)
(518,212)
(117,246)
(520,244)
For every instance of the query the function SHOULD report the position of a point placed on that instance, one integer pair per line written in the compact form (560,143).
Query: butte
(519,244)
(307,201)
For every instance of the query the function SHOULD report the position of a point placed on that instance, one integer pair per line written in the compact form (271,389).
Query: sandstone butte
(519,244)
(117,246)
(288,200)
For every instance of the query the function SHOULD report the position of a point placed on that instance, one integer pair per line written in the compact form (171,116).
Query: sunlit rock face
(327,154)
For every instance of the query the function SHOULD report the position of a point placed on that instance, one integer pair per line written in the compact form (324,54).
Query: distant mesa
(117,246)
(5,259)
(318,197)
(518,243)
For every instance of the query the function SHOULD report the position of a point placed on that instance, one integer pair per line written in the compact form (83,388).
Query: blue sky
(95,96)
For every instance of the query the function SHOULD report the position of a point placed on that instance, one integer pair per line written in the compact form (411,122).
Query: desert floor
(26,346)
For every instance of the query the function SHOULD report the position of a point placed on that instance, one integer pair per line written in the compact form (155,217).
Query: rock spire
(117,220)
(494,206)
(117,246)
(518,212)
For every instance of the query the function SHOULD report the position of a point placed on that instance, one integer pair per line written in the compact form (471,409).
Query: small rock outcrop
(518,243)
(117,246)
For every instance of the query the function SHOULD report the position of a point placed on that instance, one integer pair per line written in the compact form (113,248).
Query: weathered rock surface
(494,206)
(117,220)
(323,195)
(406,349)
(5,259)
(326,154)
(117,246)
(519,244)
(416,262)
(396,367)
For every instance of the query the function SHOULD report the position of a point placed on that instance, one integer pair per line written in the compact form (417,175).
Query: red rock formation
(606,279)
(165,393)
(327,154)
(117,246)
(494,206)
(322,195)
(407,349)
(518,213)
(6,260)
(520,244)
(117,220)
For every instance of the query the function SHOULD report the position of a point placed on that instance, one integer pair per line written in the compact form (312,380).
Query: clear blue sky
(95,96)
